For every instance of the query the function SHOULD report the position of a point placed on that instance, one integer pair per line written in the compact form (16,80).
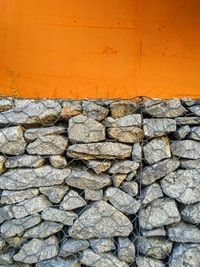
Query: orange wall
(100,48)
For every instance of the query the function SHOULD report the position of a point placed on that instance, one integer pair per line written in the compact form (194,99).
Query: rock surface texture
(100,183)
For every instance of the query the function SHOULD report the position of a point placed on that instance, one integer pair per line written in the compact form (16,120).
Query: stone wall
(100,183)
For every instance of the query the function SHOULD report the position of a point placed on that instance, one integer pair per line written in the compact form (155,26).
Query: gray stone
(24,161)
(58,162)
(6,213)
(126,121)
(190,163)
(107,150)
(130,134)
(36,112)
(32,134)
(156,150)
(148,262)
(101,220)
(48,145)
(72,104)
(11,197)
(2,244)
(90,258)
(182,132)
(30,206)
(43,230)
(94,111)
(126,249)
(101,245)
(2,164)
(158,108)
(87,179)
(27,177)
(123,166)
(54,193)
(152,173)
(137,152)
(188,149)
(12,141)
(155,247)
(195,110)
(195,133)
(17,227)
(131,175)
(59,262)
(183,233)
(191,213)
(150,193)
(188,102)
(122,201)
(98,166)
(56,215)
(183,185)
(93,195)
(67,113)
(5,104)
(71,246)
(37,250)
(118,178)
(185,255)
(16,264)
(6,257)
(158,213)
(16,241)
(72,200)
(158,127)
(121,108)
(188,120)
(130,188)
(155,232)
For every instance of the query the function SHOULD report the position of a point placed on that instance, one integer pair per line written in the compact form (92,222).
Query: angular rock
(158,127)
(30,206)
(126,249)
(130,188)
(150,193)
(190,163)
(158,213)
(54,193)
(188,120)
(123,166)
(56,215)
(6,257)
(6,213)
(90,258)
(93,195)
(156,150)
(152,173)
(195,110)
(16,241)
(195,133)
(107,150)
(71,246)
(43,230)
(11,197)
(130,134)
(188,149)
(117,179)
(48,145)
(34,113)
(188,102)
(131,175)
(59,262)
(102,245)
(155,232)
(24,161)
(94,111)
(158,108)
(2,164)
(2,244)
(126,121)
(137,152)
(122,201)
(67,113)
(87,179)
(72,200)
(17,227)
(121,108)
(5,104)
(148,262)
(72,104)
(101,220)
(183,185)
(155,247)
(12,141)
(182,132)
(58,162)
(98,166)
(27,177)
(191,213)
(37,250)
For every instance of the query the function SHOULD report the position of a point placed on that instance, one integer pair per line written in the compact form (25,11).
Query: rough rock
(93,195)
(158,108)
(67,113)
(152,173)
(158,213)
(15,227)
(155,247)
(130,188)
(130,134)
(121,108)
(2,244)
(56,215)
(27,177)
(48,145)
(188,102)
(191,213)
(101,220)
(190,163)
(6,213)
(12,141)
(123,166)
(72,200)
(188,120)
(5,104)
(126,121)
(183,185)
(158,127)
(59,262)
(126,249)
(155,232)
(24,161)
(32,134)
(102,245)
(37,250)
(54,193)
(34,113)
(122,201)
(94,111)
(98,166)
(131,176)
(156,150)
(137,152)
(87,179)
(195,110)
(195,133)
(182,132)
(107,150)
(16,241)
(71,246)
(6,257)
(150,193)
(90,258)
(2,164)
(117,179)
(58,162)
(188,149)
(183,233)
(72,104)
(148,262)
(30,206)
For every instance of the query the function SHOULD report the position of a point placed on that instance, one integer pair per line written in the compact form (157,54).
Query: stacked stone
(99,183)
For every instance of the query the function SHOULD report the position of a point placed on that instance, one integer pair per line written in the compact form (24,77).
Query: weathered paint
(99,48)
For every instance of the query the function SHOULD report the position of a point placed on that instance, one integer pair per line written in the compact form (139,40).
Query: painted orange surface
(100,48)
